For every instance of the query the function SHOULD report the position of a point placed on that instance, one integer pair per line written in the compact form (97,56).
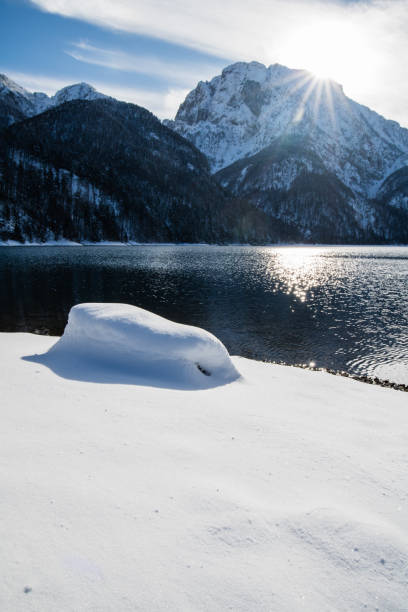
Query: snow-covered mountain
(16,103)
(79,91)
(250,107)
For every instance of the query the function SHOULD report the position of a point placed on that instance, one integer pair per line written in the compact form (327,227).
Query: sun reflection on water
(297,270)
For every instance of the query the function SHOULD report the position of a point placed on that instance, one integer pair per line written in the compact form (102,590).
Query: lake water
(344,308)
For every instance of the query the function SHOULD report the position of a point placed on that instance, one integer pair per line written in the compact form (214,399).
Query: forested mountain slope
(107,170)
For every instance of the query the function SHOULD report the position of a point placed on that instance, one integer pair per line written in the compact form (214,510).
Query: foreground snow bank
(284,491)
(130,341)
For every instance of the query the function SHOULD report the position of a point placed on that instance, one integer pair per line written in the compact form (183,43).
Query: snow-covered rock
(137,343)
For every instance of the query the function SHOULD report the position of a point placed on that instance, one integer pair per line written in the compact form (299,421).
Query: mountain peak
(77,88)
(77,91)
(245,69)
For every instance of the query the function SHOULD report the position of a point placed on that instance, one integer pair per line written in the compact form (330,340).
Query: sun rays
(332,51)
(315,96)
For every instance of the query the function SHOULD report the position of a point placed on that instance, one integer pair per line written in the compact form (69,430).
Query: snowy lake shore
(281,490)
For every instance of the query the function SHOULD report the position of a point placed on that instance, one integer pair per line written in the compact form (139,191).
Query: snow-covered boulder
(131,341)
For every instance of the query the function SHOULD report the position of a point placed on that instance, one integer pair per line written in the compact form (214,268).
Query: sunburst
(309,88)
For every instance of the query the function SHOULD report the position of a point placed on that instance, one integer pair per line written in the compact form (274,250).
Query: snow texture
(126,341)
(283,491)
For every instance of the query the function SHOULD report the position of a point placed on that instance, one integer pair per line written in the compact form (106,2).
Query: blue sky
(44,51)
(153,52)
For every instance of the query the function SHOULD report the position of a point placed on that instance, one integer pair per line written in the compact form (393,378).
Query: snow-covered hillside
(17,103)
(249,106)
(96,170)
(285,490)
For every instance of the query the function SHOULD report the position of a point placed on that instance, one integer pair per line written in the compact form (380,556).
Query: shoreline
(370,380)
(363,378)
(67,243)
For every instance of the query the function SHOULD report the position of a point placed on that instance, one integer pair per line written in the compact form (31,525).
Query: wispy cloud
(372,35)
(164,104)
(180,73)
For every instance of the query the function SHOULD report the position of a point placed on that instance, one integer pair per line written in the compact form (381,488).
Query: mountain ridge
(17,103)
(281,157)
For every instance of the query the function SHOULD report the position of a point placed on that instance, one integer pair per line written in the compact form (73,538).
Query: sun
(322,53)
(326,52)
(329,49)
